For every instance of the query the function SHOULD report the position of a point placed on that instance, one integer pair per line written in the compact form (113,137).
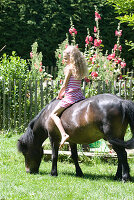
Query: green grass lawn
(97,184)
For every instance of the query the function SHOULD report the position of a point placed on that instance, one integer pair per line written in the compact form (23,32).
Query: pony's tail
(126,144)
(128,107)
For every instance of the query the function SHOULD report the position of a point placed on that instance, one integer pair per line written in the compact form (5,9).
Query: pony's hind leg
(123,172)
(74,155)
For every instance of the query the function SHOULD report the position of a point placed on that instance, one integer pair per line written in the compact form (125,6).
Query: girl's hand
(60,95)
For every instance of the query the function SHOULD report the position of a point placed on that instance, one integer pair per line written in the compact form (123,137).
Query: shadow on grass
(44,173)
(89,176)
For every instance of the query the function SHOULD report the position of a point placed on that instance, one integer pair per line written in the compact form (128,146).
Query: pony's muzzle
(27,170)
(32,171)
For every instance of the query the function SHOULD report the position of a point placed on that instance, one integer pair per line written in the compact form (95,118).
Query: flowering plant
(37,69)
(102,67)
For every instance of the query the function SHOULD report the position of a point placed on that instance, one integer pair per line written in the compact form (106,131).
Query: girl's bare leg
(55,116)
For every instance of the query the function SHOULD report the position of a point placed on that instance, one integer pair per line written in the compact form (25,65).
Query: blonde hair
(77,62)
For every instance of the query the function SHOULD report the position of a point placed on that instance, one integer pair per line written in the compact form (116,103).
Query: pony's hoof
(79,174)
(55,174)
(118,178)
(126,178)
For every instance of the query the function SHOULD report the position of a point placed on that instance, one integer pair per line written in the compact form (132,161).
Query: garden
(27,86)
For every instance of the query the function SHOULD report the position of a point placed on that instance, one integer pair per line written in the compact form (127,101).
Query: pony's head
(31,150)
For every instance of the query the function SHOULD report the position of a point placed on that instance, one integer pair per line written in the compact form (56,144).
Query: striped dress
(73,93)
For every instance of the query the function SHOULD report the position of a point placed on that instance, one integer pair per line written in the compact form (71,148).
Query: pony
(102,116)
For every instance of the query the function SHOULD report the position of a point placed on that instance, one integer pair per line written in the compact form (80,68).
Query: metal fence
(21,101)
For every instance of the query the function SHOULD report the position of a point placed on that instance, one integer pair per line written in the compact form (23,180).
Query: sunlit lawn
(97,184)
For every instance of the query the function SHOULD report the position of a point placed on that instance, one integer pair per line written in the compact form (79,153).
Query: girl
(75,70)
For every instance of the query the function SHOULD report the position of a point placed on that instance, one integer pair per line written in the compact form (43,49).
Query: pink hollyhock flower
(31,54)
(36,66)
(61,81)
(97,42)
(120,77)
(118,33)
(40,69)
(118,61)
(87,79)
(95,29)
(123,64)
(40,63)
(94,74)
(91,58)
(66,45)
(72,30)
(120,48)
(97,16)
(106,81)
(111,56)
(77,46)
(88,39)
(115,47)
(94,55)
(59,56)
(63,62)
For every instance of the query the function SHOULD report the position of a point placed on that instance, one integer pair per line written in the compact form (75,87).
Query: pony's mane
(28,136)
(31,124)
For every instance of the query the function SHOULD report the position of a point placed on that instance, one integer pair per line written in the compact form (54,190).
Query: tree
(125,8)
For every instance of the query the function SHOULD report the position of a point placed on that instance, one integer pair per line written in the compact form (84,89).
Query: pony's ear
(22,147)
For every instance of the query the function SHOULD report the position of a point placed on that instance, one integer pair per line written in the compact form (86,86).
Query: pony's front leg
(55,148)
(75,159)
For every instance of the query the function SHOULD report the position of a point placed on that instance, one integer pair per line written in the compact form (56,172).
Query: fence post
(114,87)
(25,103)
(110,87)
(99,87)
(19,103)
(31,99)
(125,89)
(4,100)
(119,88)
(9,105)
(36,109)
(130,89)
(104,87)
(52,88)
(1,104)
(41,93)
(83,88)
(14,104)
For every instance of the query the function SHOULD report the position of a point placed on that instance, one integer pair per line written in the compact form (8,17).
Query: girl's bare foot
(63,140)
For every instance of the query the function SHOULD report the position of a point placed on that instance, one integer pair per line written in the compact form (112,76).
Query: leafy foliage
(20,83)
(46,22)
(125,9)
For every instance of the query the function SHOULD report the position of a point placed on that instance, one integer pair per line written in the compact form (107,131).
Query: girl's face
(66,57)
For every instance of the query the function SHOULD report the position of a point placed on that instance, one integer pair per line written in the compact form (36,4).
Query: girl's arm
(65,83)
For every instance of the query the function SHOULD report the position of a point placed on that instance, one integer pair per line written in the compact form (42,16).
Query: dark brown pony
(103,116)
